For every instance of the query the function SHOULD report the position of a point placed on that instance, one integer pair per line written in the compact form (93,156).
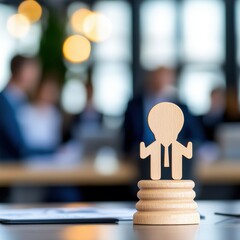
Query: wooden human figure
(166,121)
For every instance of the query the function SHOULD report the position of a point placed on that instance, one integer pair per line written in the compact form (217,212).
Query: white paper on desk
(122,214)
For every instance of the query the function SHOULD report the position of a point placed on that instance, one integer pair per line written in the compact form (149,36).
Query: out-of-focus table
(213,227)
(219,172)
(83,174)
(86,174)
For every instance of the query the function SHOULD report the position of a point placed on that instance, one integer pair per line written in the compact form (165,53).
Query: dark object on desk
(228,214)
(83,215)
(59,221)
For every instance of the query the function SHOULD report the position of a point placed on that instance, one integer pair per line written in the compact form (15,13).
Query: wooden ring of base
(166,194)
(166,218)
(166,184)
(166,205)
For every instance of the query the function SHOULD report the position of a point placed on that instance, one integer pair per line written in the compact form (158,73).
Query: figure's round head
(165,121)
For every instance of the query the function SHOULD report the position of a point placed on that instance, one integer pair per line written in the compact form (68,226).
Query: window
(110,60)
(113,87)
(190,34)
(196,85)
(112,77)
(158,27)
(202,52)
(238,44)
(238,29)
(28,45)
(203,31)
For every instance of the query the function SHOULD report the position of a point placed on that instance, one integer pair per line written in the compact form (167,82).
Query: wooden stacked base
(166,202)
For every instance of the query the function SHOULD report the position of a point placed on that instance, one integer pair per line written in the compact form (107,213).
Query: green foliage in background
(50,52)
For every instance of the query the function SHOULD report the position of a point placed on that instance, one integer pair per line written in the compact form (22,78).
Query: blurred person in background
(40,122)
(44,113)
(159,87)
(89,120)
(216,114)
(210,121)
(25,75)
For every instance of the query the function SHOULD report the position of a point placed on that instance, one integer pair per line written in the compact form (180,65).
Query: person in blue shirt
(25,75)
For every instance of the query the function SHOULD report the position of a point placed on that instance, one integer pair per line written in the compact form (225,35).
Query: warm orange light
(31,9)
(88,232)
(77,19)
(18,25)
(76,49)
(97,27)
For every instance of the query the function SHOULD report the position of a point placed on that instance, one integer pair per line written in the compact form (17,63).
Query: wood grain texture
(165,121)
(174,232)
(166,202)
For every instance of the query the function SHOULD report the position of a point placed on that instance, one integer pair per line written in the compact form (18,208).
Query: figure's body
(178,151)
(166,121)
(154,150)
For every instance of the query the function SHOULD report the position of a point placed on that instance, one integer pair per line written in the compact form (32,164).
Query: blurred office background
(90,59)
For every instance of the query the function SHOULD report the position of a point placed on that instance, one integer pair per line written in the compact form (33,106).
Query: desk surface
(213,227)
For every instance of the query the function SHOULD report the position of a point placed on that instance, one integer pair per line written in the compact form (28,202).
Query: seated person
(43,113)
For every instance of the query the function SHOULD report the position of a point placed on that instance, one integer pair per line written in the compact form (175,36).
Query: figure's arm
(187,151)
(144,151)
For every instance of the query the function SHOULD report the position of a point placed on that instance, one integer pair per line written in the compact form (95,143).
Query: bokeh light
(97,27)
(30,9)
(76,49)
(73,96)
(106,156)
(18,25)
(78,18)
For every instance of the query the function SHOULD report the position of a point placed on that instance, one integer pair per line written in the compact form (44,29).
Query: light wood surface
(82,174)
(212,227)
(165,121)
(166,202)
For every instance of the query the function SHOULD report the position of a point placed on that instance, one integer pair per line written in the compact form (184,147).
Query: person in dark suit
(25,73)
(160,87)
